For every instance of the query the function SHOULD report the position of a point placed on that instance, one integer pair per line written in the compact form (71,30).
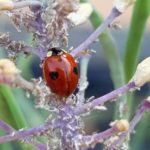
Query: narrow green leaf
(15,118)
(14,108)
(5,113)
(132,50)
(110,51)
(134,41)
(135,36)
(111,55)
(148,7)
(32,115)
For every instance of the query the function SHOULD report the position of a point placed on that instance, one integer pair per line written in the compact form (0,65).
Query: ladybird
(60,72)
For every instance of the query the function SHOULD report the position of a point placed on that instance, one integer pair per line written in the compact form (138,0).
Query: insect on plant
(60,72)
(64,126)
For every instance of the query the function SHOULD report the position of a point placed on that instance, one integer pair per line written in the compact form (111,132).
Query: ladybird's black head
(55,51)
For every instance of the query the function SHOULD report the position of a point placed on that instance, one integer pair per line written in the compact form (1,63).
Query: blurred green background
(113,64)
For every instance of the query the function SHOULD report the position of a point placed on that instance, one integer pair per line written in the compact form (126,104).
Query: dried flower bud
(122,125)
(81,15)
(142,74)
(8,71)
(6,5)
(122,5)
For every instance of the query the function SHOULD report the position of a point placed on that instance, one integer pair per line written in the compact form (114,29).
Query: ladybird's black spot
(53,75)
(75,70)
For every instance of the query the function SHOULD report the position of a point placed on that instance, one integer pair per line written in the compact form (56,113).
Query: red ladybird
(60,72)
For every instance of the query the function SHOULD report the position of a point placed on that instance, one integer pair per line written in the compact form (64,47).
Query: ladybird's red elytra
(60,72)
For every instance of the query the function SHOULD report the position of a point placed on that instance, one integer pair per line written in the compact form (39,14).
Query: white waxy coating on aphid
(6,5)
(81,15)
(122,5)
(142,74)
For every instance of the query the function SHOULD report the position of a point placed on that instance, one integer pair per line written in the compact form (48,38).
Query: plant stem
(110,51)
(18,135)
(101,100)
(84,45)
(9,130)
(138,116)
(112,56)
(98,137)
